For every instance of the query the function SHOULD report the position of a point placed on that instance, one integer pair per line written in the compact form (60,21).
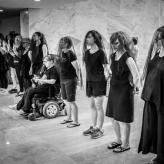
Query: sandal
(72,125)
(121,149)
(66,121)
(113,145)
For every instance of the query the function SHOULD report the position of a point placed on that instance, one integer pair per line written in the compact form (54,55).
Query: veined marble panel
(136,17)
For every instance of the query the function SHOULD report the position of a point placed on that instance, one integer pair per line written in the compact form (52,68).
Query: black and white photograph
(81,81)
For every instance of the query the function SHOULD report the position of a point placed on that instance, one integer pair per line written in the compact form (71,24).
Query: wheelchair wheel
(51,109)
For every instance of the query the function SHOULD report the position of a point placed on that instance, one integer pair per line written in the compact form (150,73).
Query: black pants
(26,83)
(26,101)
(19,76)
(3,79)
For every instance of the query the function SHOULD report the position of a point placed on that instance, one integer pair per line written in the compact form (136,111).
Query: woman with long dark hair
(120,106)
(152,135)
(96,64)
(69,72)
(38,50)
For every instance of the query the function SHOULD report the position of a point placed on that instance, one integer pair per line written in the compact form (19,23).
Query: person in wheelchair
(41,85)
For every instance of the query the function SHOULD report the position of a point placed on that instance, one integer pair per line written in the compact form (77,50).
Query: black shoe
(24,114)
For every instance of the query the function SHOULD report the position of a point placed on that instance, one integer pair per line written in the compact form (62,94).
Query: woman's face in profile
(116,45)
(90,40)
(35,37)
(63,45)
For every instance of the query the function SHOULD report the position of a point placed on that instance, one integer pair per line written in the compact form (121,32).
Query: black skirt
(120,104)
(152,135)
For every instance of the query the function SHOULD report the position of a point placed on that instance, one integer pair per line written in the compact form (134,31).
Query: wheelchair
(48,106)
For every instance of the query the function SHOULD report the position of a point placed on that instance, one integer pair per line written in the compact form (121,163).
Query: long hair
(123,38)
(42,40)
(97,39)
(65,40)
(158,34)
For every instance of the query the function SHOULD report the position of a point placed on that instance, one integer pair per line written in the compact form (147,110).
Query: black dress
(121,99)
(3,71)
(152,135)
(25,68)
(37,59)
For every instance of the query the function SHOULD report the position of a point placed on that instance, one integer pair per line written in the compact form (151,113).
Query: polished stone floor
(48,142)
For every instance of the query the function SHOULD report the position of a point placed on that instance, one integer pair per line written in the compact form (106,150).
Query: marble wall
(136,17)
(24,23)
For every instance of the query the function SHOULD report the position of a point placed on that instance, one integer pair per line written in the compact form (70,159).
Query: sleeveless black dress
(120,104)
(25,68)
(37,59)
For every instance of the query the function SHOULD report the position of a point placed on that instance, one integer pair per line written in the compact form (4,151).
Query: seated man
(49,78)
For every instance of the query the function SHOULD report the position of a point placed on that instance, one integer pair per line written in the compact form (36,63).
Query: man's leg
(41,89)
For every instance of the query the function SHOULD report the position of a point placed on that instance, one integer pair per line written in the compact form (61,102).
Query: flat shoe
(72,125)
(113,145)
(121,149)
(66,121)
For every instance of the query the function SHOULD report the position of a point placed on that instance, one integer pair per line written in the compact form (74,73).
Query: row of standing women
(123,84)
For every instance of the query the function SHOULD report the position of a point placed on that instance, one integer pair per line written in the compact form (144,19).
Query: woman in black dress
(96,64)
(152,135)
(26,64)
(120,100)
(17,52)
(38,50)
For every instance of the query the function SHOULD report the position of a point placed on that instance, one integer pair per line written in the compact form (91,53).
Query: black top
(94,65)
(3,63)
(153,90)
(37,54)
(26,64)
(67,71)
(52,73)
(120,70)
(17,59)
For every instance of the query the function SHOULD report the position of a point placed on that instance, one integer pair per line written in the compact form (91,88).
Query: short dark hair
(135,40)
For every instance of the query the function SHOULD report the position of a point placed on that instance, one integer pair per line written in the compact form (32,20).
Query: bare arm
(75,64)
(30,56)
(134,71)
(45,50)
(107,71)
(45,81)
